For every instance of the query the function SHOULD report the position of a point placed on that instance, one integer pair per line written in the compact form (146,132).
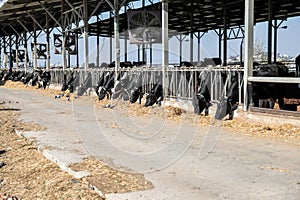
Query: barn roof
(184,15)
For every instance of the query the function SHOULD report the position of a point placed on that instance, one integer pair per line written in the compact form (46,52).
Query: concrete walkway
(183,161)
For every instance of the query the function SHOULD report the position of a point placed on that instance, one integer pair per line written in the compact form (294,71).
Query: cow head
(102,93)
(201,103)
(150,99)
(134,95)
(224,107)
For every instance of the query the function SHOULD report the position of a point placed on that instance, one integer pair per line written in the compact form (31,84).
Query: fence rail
(182,82)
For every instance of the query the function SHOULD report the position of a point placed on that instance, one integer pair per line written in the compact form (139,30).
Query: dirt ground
(28,175)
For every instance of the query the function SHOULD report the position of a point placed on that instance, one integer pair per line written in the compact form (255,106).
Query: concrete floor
(182,160)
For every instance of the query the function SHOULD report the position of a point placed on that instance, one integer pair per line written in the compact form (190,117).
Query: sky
(288,43)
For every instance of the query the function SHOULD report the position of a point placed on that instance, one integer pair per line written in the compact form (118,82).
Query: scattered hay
(27,174)
(283,132)
(109,180)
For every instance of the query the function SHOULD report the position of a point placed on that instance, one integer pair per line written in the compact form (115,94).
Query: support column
(47,42)
(191,48)
(225,38)
(77,55)
(180,48)
(220,43)
(10,53)
(17,52)
(34,47)
(110,43)
(63,30)
(165,46)
(98,44)
(199,47)
(248,69)
(275,40)
(85,34)
(4,52)
(270,31)
(26,50)
(117,39)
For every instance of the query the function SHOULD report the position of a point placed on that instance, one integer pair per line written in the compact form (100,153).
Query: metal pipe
(270,31)
(26,51)
(10,53)
(248,69)
(85,34)
(48,42)
(117,38)
(34,47)
(165,45)
(98,44)
(17,52)
(273,79)
(275,40)
(225,38)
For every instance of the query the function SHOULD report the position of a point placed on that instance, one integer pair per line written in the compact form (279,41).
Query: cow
(271,91)
(155,95)
(136,92)
(86,84)
(201,101)
(121,86)
(229,103)
(108,84)
(68,83)
(44,79)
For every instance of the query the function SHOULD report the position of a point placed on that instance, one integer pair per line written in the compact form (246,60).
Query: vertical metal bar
(47,42)
(248,69)
(63,28)
(191,47)
(117,38)
(34,47)
(110,42)
(85,34)
(98,44)
(225,38)
(165,44)
(275,40)
(199,47)
(77,55)
(26,51)
(151,59)
(17,52)
(180,49)
(10,53)
(220,43)
(270,31)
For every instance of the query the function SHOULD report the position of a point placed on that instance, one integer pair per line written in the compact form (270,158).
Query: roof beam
(50,14)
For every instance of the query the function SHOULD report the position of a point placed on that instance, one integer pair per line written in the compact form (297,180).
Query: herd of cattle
(130,86)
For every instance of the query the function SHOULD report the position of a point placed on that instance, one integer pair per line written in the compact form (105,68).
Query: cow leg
(206,111)
(231,115)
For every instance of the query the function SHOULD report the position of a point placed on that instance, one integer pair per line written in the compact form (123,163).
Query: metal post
(77,54)
(275,40)
(85,34)
(117,38)
(48,42)
(4,52)
(139,59)
(10,53)
(98,44)
(225,39)
(26,51)
(34,47)
(17,52)
(270,32)
(191,47)
(180,48)
(248,70)
(125,48)
(165,45)
(151,59)
(110,42)
(63,28)
(199,48)
(220,43)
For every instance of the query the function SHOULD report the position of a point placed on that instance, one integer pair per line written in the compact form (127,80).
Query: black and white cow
(155,95)
(201,101)
(274,91)
(86,84)
(108,84)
